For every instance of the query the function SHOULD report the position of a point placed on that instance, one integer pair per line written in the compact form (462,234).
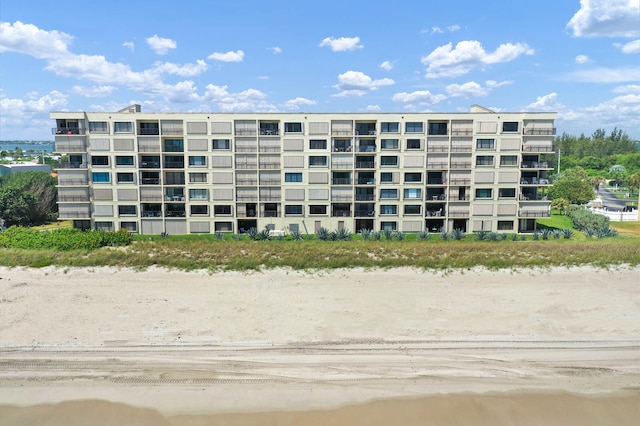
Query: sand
(401,346)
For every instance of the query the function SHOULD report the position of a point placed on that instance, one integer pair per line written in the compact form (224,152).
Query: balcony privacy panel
(200,227)
(100,194)
(246,145)
(294,194)
(246,127)
(484,177)
(507,209)
(196,128)
(247,194)
(148,144)
(270,161)
(246,161)
(175,227)
(318,128)
(293,145)
(318,194)
(508,177)
(318,177)
(123,144)
(171,127)
(72,211)
(221,194)
(342,127)
(73,194)
(269,145)
(342,194)
(411,225)
(481,225)
(151,227)
(220,162)
(293,161)
(150,194)
(197,144)
(270,193)
(96,144)
(483,209)
(342,162)
(221,127)
(270,178)
(102,210)
(510,144)
(487,127)
(222,178)
(127,194)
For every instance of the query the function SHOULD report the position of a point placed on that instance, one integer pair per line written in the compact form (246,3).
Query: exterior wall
(227,172)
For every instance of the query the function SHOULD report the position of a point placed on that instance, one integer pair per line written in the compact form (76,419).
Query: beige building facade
(184,173)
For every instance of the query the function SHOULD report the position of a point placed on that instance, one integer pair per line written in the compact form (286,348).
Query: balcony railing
(534,197)
(541,132)
(269,165)
(458,214)
(461,148)
(70,147)
(460,181)
(461,165)
(270,181)
(342,165)
(436,197)
(150,181)
(537,148)
(535,165)
(173,132)
(151,213)
(73,198)
(246,132)
(365,164)
(72,165)
(534,213)
(150,165)
(535,181)
(364,213)
(175,213)
(437,165)
(68,131)
(462,132)
(74,215)
(72,182)
(341,213)
(245,182)
(174,165)
(269,132)
(434,213)
(367,148)
(147,131)
(365,197)
(342,149)
(270,213)
(341,181)
(437,148)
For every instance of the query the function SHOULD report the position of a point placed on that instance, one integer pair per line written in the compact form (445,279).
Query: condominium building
(184,173)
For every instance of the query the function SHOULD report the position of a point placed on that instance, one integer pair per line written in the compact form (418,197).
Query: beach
(545,346)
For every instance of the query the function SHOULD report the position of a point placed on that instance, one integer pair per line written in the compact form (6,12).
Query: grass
(206,254)
(556,221)
(55,225)
(630,229)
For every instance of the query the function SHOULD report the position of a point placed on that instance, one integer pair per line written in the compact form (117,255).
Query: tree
(573,185)
(27,198)
(561,204)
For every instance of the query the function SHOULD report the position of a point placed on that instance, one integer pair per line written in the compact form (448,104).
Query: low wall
(618,216)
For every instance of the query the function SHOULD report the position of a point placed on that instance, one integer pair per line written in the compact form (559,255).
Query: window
(198,194)
(510,126)
(174,145)
(485,144)
(412,209)
(391,226)
(149,129)
(221,144)
(507,193)
(222,210)
(389,144)
(295,209)
(124,160)
(124,177)
(412,177)
(129,226)
(200,210)
(388,193)
(485,193)
(508,160)
(197,160)
(386,177)
(389,160)
(484,160)
(197,177)
(414,127)
(98,127)
(415,193)
(318,161)
(413,144)
(391,127)
(293,127)
(318,144)
(317,209)
(505,225)
(293,177)
(101,177)
(438,129)
(100,160)
(122,127)
(388,209)
(126,210)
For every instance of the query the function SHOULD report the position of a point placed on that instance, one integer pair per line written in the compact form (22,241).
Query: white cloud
(582,59)
(181,92)
(473,89)
(275,50)
(356,83)
(546,103)
(93,92)
(453,28)
(161,45)
(247,100)
(296,103)
(421,97)
(610,18)
(373,108)
(263,77)
(31,40)
(492,84)
(386,65)
(185,70)
(436,30)
(230,56)
(130,45)
(439,30)
(607,75)
(26,118)
(342,44)
(445,61)
(631,47)
(630,88)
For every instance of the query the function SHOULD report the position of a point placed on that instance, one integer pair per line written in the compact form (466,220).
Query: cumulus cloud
(296,103)
(446,61)
(26,118)
(631,47)
(628,89)
(130,45)
(237,56)
(439,30)
(611,18)
(31,40)
(185,70)
(607,75)
(473,89)
(247,100)
(373,108)
(341,44)
(420,97)
(548,102)
(275,50)
(161,45)
(582,59)
(386,65)
(356,83)
(93,92)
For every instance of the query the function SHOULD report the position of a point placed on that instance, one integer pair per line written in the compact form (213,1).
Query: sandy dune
(183,344)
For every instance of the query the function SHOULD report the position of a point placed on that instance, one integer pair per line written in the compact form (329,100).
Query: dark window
(125,177)
(413,193)
(126,210)
(100,160)
(386,177)
(412,209)
(485,143)
(122,127)
(505,225)
(388,209)
(389,143)
(199,210)
(389,160)
(413,143)
(317,209)
(98,127)
(293,127)
(508,160)
(437,128)
(413,177)
(389,127)
(484,160)
(295,209)
(221,144)
(414,127)
(318,144)
(484,193)
(391,226)
(510,126)
(197,160)
(124,160)
(293,177)
(222,210)
(389,193)
(318,160)
(101,177)
(507,193)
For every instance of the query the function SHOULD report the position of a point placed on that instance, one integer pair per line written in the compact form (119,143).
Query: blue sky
(578,58)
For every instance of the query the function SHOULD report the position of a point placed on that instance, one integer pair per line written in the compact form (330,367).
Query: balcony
(537,148)
(535,181)
(364,213)
(437,148)
(74,214)
(341,181)
(150,165)
(365,165)
(461,165)
(434,213)
(342,148)
(66,147)
(150,181)
(437,166)
(68,131)
(340,213)
(534,213)
(367,148)
(270,165)
(72,165)
(269,132)
(461,148)
(462,132)
(459,213)
(73,198)
(535,165)
(174,164)
(148,131)
(175,213)
(461,181)
(151,213)
(365,197)
(533,197)
(540,132)
(247,182)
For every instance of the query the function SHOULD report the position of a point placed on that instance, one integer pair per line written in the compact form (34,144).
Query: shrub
(400,236)
(583,219)
(388,234)
(263,235)
(556,233)
(481,235)
(343,234)
(62,239)
(423,235)
(457,234)
(219,236)
(546,232)
(494,236)
(297,236)
(567,233)
(253,233)
(445,235)
(514,237)
(365,234)
(376,235)
(536,235)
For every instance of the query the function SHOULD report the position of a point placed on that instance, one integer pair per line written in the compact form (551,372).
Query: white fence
(618,216)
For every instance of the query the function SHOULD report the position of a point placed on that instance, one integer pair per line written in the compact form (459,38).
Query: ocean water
(47,147)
